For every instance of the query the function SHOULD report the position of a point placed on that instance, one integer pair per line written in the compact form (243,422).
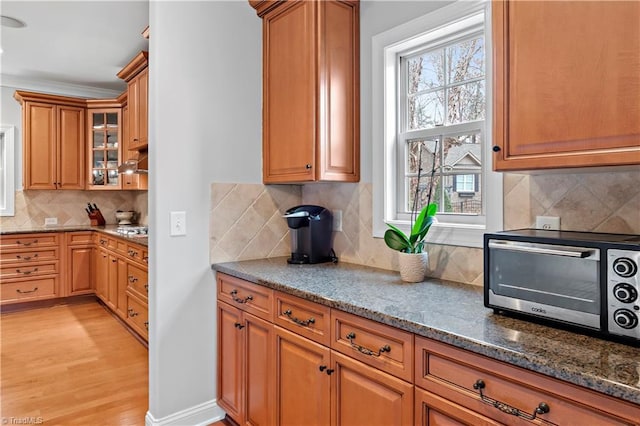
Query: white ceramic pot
(413,266)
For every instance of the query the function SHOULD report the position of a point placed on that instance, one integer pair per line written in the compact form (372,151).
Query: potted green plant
(412,257)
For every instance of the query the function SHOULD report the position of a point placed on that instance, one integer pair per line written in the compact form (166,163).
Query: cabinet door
(230,362)
(302,382)
(71,145)
(40,156)
(289,100)
(121,298)
(102,275)
(133,90)
(259,376)
(567,88)
(80,271)
(432,410)
(143,110)
(362,395)
(112,282)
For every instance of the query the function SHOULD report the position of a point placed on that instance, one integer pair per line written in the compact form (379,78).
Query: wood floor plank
(72,365)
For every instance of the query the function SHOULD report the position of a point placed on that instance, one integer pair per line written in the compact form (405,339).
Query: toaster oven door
(545,280)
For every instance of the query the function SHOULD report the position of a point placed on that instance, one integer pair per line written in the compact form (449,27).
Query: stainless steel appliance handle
(530,248)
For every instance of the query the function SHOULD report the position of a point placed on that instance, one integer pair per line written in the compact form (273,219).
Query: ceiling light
(8,21)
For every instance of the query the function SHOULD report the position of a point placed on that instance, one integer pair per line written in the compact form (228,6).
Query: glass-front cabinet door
(105,147)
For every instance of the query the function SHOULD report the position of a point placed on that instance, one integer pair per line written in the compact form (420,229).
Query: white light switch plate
(178,224)
(50,221)
(548,222)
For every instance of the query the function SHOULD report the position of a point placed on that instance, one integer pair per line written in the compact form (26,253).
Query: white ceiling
(83,43)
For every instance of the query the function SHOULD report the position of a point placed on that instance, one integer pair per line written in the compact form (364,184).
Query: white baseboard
(199,415)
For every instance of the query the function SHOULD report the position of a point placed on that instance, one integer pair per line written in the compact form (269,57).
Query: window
(431,96)
(7,189)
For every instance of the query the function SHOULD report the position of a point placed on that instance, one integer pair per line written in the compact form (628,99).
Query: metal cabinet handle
(237,299)
(304,323)
(26,292)
(133,253)
(366,351)
(238,326)
(27,244)
(307,166)
(132,279)
(35,255)
(145,259)
(146,287)
(20,271)
(132,313)
(542,407)
(103,242)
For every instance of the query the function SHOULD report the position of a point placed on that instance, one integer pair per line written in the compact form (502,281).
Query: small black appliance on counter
(311,234)
(584,280)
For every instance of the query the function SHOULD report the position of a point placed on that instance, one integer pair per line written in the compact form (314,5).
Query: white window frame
(7,175)
(385,70)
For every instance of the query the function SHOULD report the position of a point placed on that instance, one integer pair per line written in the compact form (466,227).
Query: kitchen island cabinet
(566,87)
(457,343)
(311,91)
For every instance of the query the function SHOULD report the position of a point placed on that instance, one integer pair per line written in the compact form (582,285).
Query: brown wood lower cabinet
(80,274)
(268,374)
(432,410)
(245,366)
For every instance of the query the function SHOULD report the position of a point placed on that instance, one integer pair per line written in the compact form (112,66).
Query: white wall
(376,17)
(11,115)
(205,125)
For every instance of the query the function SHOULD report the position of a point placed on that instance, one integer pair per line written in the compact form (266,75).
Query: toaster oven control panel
(623,287)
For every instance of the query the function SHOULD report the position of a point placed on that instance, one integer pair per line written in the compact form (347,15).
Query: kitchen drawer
(145,256)
(308,319)
(137,280)
(134,252)
(249,297)
(451,373)
(137,315)
(30,241)
(434,410)
(383,347)
(29,255)
(101,240)
(26,269)
(79,238)
(25,290)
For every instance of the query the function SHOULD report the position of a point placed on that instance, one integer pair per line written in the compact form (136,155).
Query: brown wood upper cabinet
(53,141)
(567,84)
(137,77)
(311,90)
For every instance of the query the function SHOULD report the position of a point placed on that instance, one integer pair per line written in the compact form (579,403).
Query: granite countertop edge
(528,361)
(107,230)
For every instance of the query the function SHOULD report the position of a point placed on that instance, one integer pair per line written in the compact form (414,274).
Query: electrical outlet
(50,221)
(178,223)
(548,222)
(337,220)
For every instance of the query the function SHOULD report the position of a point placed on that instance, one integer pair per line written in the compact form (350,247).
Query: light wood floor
(72,365)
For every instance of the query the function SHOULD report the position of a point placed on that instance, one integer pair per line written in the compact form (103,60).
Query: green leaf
(432,209)
(396,239)
(399,231)
(417,227)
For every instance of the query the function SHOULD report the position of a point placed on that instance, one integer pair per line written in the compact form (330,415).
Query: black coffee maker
(311,234)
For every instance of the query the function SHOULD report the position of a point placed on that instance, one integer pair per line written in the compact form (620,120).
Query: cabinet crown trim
(24,96)
(137,64)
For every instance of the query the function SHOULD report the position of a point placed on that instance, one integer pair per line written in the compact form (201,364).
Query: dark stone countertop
(107,229)
(453,313)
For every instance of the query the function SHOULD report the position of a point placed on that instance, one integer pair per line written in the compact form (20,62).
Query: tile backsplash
(32,207)
(246,222)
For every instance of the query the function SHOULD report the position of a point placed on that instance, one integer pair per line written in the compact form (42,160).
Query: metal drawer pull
(132,279)
(237,299)
(132,313)
(146,287)
(133,253)
(366,351)
(103,242)
(542,408)
(27,257)
(27,272)
(27,292)
(306,323)
(145,259)
(146,325)
(27,244)
(238,326)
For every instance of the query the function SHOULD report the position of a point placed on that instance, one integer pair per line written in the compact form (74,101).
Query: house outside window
(432,94)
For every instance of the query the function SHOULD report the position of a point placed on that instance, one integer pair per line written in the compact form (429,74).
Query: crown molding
(56,87)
